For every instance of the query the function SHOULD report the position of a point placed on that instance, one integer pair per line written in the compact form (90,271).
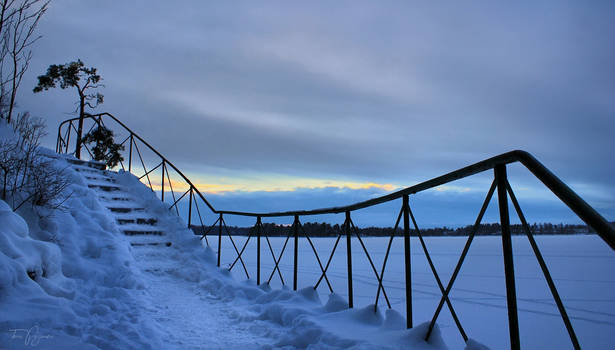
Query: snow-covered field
(581,265)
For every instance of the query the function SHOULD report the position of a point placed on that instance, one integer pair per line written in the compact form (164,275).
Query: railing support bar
(277,260)
(349,258)
(296,252)
(437,277)
(130,154)
(70,125)
(509,269)
(163,172)
(59,140)
(239,254)
(462,257)
(190,209)
(337,241)
(545,270)
(150,171)
(258,250)
(322,269)
(228,233)
(196,205)
(209,230)
(371,262)
(408,267)
(219,238)
(386,258)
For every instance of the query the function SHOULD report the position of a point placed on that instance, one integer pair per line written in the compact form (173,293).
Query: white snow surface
(70,280)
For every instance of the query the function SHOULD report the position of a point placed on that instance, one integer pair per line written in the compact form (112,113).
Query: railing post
(190,209)
(79,132)
(163,168)
(509,269)
(349,258)
(70,128)
(58,140)
(408,267)
(219,238)
(130,154)
(258,250)
(296,233)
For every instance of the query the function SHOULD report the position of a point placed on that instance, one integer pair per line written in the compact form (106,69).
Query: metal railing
(348,229)
(134,153)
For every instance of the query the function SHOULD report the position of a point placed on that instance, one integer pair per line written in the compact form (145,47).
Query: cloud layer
(382,92)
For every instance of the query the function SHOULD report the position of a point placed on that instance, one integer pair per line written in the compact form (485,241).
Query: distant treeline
(314,229)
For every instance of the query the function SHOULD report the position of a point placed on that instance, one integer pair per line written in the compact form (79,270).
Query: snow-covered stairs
(131,217)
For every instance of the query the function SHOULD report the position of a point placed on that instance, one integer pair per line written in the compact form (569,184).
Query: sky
(300,105)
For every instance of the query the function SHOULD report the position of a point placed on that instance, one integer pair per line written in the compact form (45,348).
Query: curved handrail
(498,163)
(579,206)
(93,116)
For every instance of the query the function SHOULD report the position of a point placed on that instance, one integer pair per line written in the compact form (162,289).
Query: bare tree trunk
(14,87)
(80,128)
(6,177)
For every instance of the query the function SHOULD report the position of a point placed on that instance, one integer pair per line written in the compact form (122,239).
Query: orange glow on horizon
(266,186)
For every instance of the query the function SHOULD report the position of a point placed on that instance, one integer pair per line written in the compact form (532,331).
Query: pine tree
(84,80)
(105,150)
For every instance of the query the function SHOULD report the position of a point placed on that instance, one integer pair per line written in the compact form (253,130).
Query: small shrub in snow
(105,149)
(26,175)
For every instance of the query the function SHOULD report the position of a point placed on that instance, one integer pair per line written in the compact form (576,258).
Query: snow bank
(67,281)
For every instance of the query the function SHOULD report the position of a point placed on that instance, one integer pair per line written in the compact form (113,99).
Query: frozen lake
(581,266)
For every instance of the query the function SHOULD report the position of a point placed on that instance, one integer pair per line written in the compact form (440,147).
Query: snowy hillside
(71,279)
(69,275)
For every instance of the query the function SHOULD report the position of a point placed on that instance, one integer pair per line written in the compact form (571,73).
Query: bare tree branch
(26,175)
(18,22)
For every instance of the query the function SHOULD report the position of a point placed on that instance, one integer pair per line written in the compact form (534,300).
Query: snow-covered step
(140,230)
(123,204)
(154,259)
(117,197)
(95,178)
(149,253)
(101,182)
(157,267)
(105,187)
(102,185)
(139,227)
(84,169)
(87,163)
(124,209)
(144,244)
(146,241)
(138,220)
(136,215)
(109,198)
(132,219)
(89,170)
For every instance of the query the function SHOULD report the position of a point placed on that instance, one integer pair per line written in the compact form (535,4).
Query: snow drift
(70,279)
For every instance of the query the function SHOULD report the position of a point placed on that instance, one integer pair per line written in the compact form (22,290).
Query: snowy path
(189,317)
(196,305)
